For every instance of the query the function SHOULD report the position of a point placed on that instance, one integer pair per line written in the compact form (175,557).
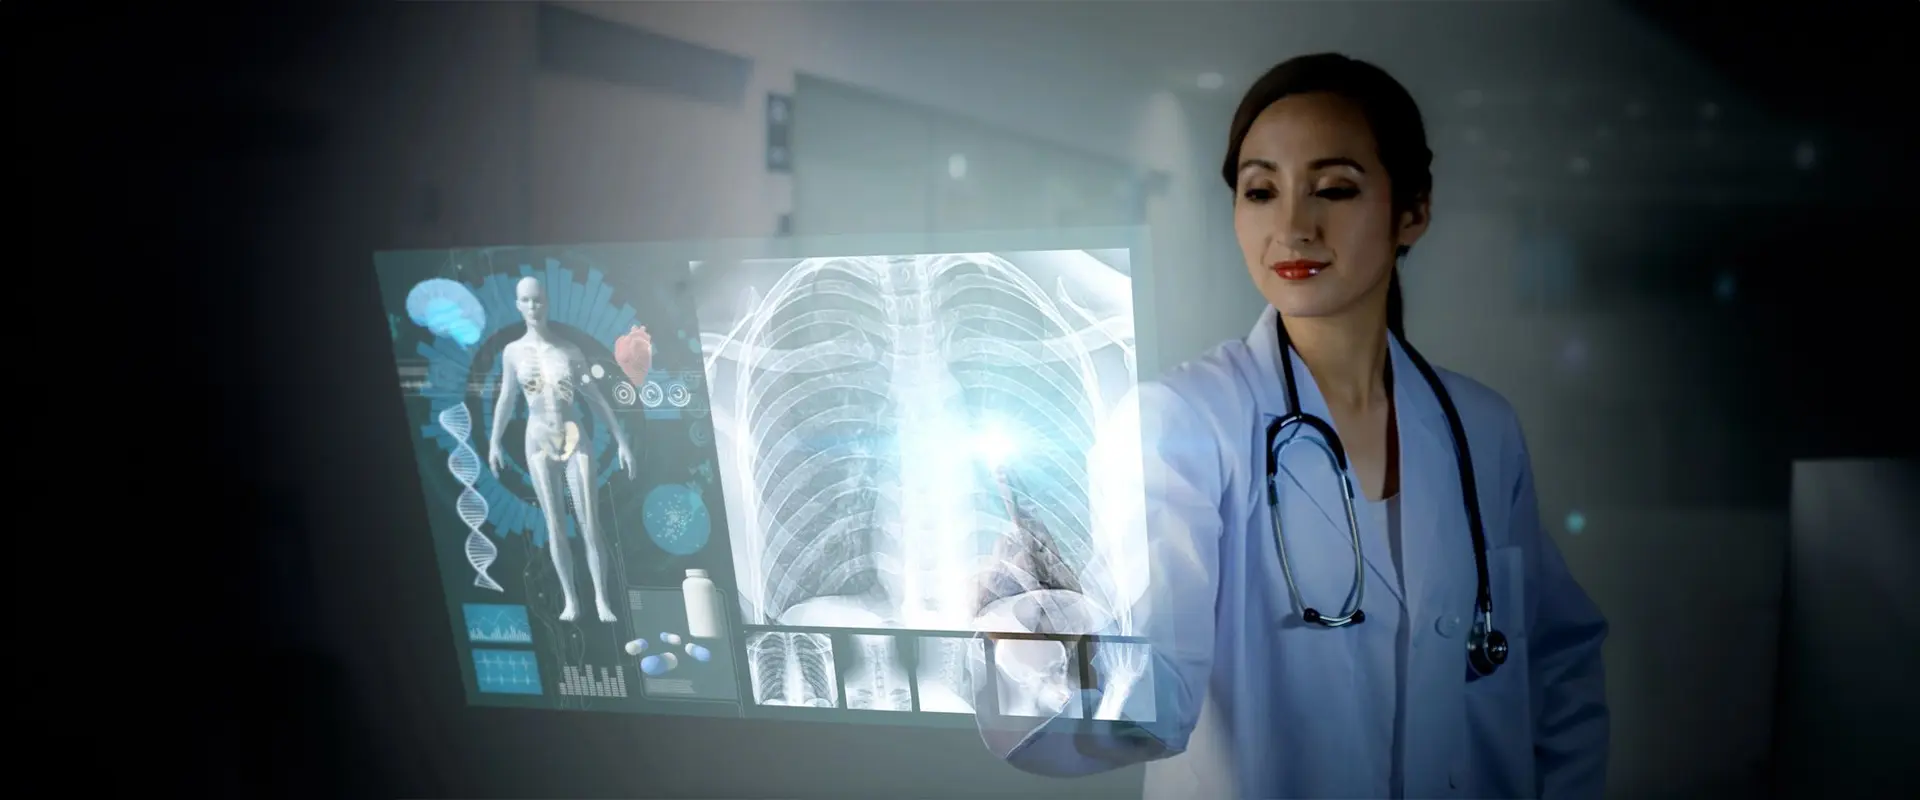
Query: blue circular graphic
(676,519)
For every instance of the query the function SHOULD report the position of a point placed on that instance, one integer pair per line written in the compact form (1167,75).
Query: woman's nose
(1297,222)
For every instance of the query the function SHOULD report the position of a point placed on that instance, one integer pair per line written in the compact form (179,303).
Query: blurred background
(1676,236)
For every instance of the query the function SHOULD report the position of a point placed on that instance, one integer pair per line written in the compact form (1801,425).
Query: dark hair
(1398,132)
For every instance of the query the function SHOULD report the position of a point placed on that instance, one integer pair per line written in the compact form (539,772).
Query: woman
(1330,172)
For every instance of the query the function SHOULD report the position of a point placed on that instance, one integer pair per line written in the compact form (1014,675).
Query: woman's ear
(1413,224)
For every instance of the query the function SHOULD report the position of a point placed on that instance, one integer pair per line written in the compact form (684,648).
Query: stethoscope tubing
(1356,600)
(1329,443)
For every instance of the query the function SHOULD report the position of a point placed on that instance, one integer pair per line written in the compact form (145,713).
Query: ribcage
(1016,359)
(817,419)
(868,383)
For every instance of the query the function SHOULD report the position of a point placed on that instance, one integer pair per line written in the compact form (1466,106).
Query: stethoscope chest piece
(1315,617)
(1486,648)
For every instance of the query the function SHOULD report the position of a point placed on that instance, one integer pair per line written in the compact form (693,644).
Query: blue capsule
(698,653)
(636,647)
(669,638)
(654,665)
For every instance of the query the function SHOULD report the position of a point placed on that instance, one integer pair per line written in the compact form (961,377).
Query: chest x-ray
(909,441)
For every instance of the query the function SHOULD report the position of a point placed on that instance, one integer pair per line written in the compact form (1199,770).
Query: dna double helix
(472,508)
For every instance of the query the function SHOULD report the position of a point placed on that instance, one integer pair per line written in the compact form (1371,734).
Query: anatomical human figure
(550,371)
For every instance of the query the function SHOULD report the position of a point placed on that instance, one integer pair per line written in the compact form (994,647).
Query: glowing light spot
(994,446)
(1576,522)
(957,166)
(1210,81)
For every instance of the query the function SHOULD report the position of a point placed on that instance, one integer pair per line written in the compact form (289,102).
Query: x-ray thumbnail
(894,432)
(876,678)
(1038,678)
(1123,672)
(943,673)
(793,669)
(560,424)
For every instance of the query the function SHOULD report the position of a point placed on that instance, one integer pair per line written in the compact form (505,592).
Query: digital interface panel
(791,487)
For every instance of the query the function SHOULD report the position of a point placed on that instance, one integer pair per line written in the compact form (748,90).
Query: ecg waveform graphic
(506,671)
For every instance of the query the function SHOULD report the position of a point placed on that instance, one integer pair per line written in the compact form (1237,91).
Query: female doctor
(1421,637)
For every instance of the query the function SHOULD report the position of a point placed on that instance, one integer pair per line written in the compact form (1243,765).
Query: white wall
(610,162)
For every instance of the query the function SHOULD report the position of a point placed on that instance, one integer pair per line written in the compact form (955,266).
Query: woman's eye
(1337,193)
(1258,195)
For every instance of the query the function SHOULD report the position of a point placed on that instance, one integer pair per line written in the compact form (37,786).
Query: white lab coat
(1253,703)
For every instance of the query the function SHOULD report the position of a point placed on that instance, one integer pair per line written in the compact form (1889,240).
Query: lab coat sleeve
(1565,632)
(1178,525)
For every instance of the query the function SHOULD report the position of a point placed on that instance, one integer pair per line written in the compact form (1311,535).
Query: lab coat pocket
(1507,579)
(1499,706)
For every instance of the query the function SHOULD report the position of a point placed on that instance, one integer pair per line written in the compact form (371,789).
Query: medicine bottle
(703,605)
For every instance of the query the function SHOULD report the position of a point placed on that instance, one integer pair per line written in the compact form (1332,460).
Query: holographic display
(518,368)
(800,481)
(896,431)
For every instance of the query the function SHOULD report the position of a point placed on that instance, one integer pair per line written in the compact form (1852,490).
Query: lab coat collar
(1413,400)
(1429,484)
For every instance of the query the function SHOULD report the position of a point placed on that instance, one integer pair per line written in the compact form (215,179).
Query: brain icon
(447,308)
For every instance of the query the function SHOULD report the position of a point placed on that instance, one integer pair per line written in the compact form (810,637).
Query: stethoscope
(1486,647)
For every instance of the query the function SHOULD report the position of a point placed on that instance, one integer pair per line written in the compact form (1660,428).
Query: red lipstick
(1298,269)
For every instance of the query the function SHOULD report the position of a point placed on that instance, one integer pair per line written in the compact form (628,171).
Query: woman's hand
(1045,669)
(626,460)
(494,458)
